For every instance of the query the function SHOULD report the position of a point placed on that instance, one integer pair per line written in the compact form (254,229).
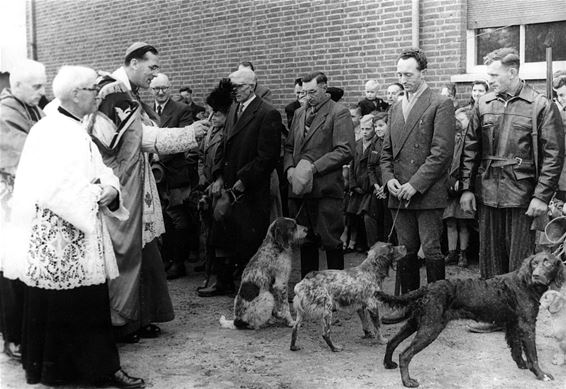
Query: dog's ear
(526,270)
(559,280)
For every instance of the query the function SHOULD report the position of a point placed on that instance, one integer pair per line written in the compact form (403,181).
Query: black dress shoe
(121,380)
(215,290)
(149,331)
(176,271)
(129,338)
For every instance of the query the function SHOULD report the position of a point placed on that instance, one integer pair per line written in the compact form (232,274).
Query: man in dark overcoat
(320,142)
(181,175)
(248,155)
(416,156)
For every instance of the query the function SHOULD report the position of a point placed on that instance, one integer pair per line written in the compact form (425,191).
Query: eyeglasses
(238,86)
(160,89)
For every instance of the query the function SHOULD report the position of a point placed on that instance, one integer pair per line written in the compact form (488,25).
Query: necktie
(309,119)
(240,110)
(159,110)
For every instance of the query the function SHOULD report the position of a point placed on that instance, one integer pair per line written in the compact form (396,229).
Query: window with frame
(526,25)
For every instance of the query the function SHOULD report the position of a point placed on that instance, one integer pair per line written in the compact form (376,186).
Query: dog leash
(395,219)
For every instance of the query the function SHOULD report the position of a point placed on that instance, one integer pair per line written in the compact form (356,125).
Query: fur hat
(220,98)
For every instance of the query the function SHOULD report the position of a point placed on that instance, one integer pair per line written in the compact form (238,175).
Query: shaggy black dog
(511,300)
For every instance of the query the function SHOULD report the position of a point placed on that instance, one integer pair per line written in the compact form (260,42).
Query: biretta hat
(135,46)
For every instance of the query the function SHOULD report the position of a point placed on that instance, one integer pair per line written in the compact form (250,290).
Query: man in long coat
(125,132)
(249,153)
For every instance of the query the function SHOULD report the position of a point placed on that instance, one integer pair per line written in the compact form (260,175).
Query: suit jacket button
(412,161)
(416,145)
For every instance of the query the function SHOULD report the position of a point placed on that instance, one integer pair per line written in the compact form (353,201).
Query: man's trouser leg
(430,232)
(408,266)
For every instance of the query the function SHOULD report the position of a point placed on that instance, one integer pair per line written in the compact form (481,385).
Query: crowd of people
(107,196)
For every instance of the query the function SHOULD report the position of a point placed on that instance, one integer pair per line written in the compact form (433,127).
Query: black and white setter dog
(511,300)
(263,290)
(348,290)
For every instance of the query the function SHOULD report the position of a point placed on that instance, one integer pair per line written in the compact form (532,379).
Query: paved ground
(194,352)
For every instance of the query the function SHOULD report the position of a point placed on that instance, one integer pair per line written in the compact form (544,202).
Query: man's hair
(24,69)
(507,55)
(559,79)
(356,107)
(481,82)
(248,64)
(186,89)
(298,81)
(70,77)
(140,53)
(417,54)
(379,116)
(320,78)
(398,84)
(451,87)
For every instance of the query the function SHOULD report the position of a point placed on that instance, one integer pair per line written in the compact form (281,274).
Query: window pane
(489,39)
(535,35)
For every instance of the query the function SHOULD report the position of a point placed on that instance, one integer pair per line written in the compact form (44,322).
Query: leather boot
(410,279)
(435,270)
(335,259)
(309,258)
(224,284)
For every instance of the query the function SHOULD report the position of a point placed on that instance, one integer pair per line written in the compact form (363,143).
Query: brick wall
(201,41)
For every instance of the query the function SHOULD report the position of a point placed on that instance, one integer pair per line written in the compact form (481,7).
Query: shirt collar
(247,102)
(417,93)
(68,114)
(324,101)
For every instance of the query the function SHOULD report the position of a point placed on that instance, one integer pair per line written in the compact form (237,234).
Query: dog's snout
(400,250)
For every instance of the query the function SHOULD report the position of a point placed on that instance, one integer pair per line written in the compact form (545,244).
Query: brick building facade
(201,41)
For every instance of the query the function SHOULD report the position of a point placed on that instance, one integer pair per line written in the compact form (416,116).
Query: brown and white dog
(347,290)
(263,290)
(555,302)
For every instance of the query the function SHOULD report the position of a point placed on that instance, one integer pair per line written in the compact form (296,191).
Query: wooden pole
(548,41)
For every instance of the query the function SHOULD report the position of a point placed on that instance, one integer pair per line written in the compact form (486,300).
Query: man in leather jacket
(498,164)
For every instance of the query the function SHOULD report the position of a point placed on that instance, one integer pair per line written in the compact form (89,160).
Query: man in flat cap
(249,153)
(126,131)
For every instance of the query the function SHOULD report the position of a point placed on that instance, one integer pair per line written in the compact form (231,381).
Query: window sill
(471,77)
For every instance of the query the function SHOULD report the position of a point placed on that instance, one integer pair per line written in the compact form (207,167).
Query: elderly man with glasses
(61,245)
(180,177)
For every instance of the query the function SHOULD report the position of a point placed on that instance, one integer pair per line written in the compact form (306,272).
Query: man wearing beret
(126,130)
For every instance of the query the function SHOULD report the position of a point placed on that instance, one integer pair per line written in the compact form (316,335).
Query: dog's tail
(229,324)
(400,301)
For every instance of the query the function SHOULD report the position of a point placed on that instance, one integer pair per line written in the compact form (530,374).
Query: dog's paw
(337,348)
(368,335)
(294,348)
(382,339)
(411,383)
(390,365)
(291,323)
(545,376)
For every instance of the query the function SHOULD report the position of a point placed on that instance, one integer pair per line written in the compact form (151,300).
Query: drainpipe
(415,23)
(32,30)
